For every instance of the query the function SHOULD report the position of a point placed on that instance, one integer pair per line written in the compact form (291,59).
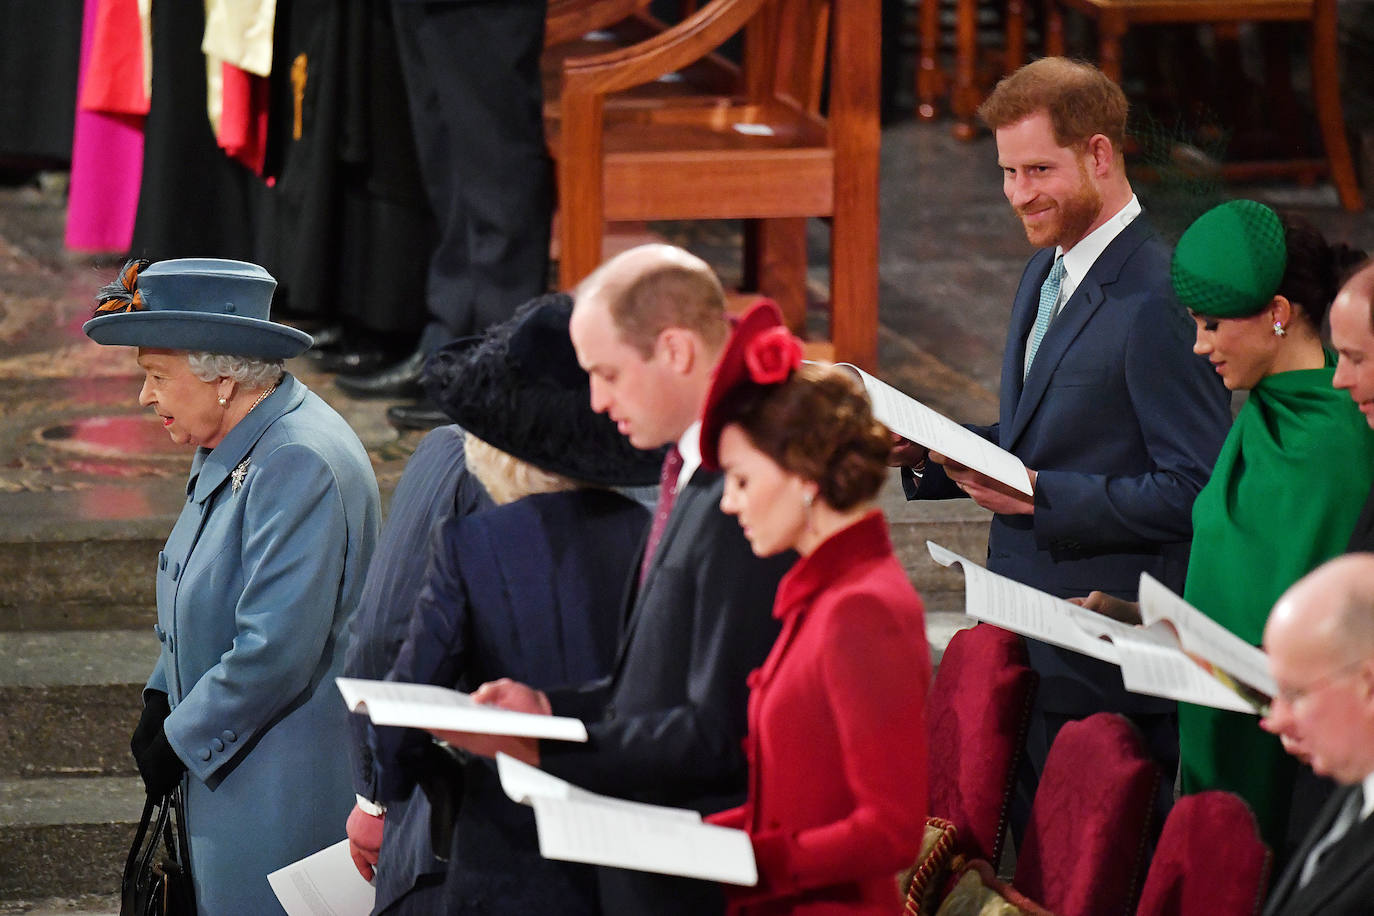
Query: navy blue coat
(1122,422)
(436,486)
(527,591)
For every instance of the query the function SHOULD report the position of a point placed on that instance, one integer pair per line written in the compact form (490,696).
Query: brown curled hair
(1078,98)
(819,426)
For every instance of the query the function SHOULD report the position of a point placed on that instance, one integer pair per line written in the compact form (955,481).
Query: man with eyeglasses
(1320,641)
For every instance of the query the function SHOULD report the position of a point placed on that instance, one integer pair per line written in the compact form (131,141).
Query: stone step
(60,570)
(957,524)
(71,699)
(65,837)
(83,905)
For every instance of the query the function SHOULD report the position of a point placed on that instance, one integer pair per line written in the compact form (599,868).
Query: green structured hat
(1229,262)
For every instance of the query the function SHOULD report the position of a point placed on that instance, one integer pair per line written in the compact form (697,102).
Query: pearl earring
(224,402)
(1279,330)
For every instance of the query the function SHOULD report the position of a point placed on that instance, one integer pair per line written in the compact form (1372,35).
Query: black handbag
(157,874)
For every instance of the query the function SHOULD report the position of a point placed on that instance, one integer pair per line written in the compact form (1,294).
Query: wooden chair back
(760,151)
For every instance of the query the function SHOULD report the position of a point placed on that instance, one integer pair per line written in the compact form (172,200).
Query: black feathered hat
(520,388)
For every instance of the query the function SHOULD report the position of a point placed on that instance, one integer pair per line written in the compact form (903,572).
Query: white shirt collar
(689,445)
(1368,807)
(1079,259)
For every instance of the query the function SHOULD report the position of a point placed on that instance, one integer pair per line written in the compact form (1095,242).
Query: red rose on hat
(772,356)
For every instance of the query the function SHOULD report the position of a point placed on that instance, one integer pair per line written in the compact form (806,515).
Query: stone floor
(88,480)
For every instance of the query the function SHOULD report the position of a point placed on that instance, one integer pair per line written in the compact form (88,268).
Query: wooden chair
(762,153)
(965,87)
(1115,17)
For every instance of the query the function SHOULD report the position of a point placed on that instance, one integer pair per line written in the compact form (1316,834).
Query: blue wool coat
(254,588)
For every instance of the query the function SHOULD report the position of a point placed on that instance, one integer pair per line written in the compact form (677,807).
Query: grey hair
(248,371)
(507,478)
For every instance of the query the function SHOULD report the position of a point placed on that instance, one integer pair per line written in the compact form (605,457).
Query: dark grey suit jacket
(1362,538)
(666,726)
(1122,422)
(1343,884)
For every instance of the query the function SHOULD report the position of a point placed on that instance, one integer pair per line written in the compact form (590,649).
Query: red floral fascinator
(761,351)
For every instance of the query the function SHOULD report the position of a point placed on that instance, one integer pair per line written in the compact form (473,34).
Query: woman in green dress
(1291,476)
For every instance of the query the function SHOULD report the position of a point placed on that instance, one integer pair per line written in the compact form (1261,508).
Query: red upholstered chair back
(976,718)
(1210,859)
(1084,849)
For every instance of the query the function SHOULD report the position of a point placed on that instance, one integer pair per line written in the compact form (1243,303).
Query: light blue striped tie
(1049,297)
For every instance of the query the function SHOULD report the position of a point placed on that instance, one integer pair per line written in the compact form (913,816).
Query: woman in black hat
(257,578)
(526,590)
(833,810)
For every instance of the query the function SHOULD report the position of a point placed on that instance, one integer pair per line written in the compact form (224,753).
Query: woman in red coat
(836,743)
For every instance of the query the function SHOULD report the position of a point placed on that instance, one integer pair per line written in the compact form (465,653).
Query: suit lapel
(1022,319)
(1349,856)
(696,490)
(1085,301)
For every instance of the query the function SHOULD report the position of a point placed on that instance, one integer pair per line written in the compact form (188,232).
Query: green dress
(1283,498)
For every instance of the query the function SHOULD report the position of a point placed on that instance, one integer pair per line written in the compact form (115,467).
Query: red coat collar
(833,559)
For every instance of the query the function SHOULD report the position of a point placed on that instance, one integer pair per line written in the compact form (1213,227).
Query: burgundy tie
(667,493)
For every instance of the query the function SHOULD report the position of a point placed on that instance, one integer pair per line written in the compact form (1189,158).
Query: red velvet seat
(976,718)
(1210,860)
(1084,849)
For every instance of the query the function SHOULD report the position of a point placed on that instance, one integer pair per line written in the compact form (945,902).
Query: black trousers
(471,70)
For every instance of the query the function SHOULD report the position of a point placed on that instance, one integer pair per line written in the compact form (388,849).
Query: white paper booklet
(908,417)
(1229,657)
(1151,658)
(579,826)
(428,706)
(326,883)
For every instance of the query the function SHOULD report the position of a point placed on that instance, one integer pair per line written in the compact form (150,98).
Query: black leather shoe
(399,381)
(345,360)
(420,415)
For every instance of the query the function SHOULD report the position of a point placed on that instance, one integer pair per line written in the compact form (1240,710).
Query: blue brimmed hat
(194,304)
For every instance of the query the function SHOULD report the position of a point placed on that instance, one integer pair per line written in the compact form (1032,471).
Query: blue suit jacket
(666,726)
(527,591)
(1122,422)
(435,486)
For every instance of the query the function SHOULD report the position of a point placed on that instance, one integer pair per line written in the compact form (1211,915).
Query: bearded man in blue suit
(1102,399)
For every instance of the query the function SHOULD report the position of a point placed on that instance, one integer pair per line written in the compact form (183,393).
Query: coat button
(229,736)
(205,753)
(161,633)
(217,744)
(161,560)
(753,678)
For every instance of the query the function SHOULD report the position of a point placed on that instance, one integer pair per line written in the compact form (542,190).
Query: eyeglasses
(1294,695)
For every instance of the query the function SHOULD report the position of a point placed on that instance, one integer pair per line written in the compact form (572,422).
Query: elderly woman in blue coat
(256,582)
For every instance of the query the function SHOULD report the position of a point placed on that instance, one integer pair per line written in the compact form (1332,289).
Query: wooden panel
(770,183)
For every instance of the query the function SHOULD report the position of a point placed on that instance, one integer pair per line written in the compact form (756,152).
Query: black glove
(155,709)
(159,766)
